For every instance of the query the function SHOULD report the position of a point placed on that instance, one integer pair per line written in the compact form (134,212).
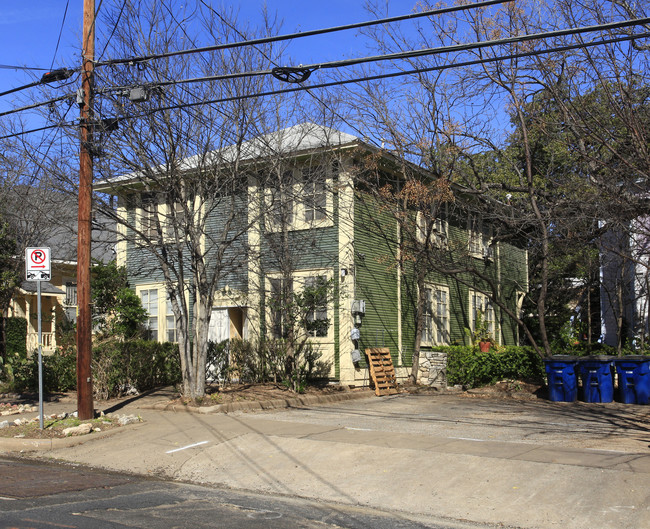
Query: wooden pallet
(382,371)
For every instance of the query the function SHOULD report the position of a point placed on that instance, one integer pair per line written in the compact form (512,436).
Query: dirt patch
(53,428)
(254,393)
(506,389)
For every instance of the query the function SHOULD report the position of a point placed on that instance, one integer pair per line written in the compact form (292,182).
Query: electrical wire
(58,42)
(14,67)
(394,56)
(368,78)
(117,22)
(301,34)
(405,54)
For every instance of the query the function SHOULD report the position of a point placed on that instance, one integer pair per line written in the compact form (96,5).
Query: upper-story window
(148,221)
(479,237)
(314,195)
(71,293)
(175,220)
(299,198)
(432,231)
(279,198)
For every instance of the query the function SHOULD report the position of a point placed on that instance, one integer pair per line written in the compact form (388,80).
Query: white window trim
(160,305)
(479,240)
(298,278)
(144,236)
(298,221)
(439,236)
(446,331)
(485,302)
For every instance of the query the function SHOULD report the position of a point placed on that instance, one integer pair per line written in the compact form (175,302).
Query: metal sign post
(38,268)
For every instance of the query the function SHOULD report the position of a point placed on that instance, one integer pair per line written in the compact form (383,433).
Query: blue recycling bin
(597,378)
(562,378)
(633,379)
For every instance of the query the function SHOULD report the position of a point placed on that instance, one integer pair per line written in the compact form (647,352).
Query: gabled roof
(296,140)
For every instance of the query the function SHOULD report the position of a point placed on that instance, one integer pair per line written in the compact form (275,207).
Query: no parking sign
(37,264)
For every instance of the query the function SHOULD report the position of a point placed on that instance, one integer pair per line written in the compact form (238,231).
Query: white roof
(295,140)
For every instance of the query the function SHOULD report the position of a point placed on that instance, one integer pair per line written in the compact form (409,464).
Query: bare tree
(178,165)
(527,126)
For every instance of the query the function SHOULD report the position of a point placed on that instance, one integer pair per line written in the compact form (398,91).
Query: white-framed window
(314,195)
(479,237)
(279,202)
(70,294)
(148,215)
(435,330)
(170,323)
(175,217)
(481,307)
(280,294)
(435,230)
(300,199)
(149,298)
(315,290)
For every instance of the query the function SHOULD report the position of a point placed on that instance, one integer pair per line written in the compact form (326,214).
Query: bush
(133,365)
(266,361)
(470,368)
(59,372)
(16,332)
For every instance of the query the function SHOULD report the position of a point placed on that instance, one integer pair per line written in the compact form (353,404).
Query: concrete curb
(9,444)
(34,445)
(260,405)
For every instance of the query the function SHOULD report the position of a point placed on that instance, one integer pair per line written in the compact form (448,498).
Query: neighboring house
(57,230)
(335,231)
(625,285)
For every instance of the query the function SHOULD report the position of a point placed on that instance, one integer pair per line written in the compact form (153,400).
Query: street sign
(37,264)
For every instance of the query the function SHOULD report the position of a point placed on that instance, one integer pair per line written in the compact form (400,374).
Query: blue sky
(29,32)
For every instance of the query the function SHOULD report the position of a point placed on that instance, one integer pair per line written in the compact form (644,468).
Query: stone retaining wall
(433,369)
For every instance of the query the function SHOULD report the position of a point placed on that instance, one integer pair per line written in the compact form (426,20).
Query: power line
(403,73)
(14,67)
(301,34)
(371,78)
(430,51)
(405,54)
(58,42)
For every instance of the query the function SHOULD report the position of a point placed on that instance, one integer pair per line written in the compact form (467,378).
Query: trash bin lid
(632,358)
(598,358)
(561,358)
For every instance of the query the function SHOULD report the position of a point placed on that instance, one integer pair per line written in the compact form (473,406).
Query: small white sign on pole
(38,268)
(37,264)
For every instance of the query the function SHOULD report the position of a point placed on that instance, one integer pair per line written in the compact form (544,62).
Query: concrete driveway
(529,464)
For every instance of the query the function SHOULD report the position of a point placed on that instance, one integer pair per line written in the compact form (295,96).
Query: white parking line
(186,447)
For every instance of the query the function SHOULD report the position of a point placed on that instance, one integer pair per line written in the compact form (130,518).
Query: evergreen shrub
(468,367)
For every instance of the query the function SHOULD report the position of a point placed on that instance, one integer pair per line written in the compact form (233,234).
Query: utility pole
(85,407)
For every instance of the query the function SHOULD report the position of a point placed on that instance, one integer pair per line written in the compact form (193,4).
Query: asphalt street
(432,459)
(36,495)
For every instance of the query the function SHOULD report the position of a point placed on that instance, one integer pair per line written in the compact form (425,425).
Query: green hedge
(471,368)
(117,367)
(16,331)
(59,373)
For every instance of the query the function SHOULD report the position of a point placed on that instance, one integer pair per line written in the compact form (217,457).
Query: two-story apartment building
(305,214)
